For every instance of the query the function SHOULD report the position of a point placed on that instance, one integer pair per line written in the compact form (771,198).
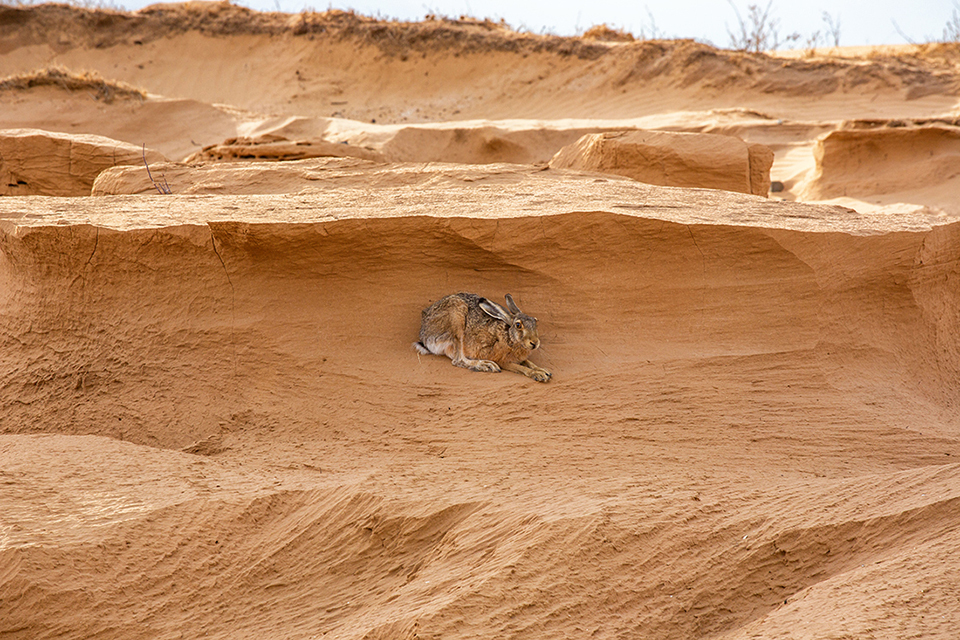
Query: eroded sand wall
(682,354)
(133,334)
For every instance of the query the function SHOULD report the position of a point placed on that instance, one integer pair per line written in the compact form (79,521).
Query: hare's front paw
(541,375)
(487,366)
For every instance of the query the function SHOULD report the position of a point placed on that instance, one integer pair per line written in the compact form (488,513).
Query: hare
(480,335)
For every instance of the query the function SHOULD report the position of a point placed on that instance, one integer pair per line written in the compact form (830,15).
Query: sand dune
(213,424)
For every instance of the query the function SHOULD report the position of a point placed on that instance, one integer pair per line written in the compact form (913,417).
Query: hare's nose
(534,345)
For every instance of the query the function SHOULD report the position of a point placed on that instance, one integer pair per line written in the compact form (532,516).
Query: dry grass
(606,33)
(89,81)
(109,5)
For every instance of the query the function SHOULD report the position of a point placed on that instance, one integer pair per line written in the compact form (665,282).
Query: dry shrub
(90,81)
(607,34)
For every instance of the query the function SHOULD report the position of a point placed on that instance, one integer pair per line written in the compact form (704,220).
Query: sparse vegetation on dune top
(608,34)
(88,23)
(91,81)
(926,69)
(103,28)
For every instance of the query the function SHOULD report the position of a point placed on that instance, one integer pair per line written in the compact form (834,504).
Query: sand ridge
(212,423)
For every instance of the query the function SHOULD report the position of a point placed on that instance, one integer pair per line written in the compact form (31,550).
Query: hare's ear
(494,310)
(514,309)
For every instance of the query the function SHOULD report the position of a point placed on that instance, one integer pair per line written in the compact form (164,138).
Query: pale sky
(862,22)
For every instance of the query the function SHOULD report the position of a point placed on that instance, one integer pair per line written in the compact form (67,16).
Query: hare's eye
(519,324)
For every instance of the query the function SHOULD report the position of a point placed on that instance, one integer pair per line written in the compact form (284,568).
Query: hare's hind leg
(455,351)
(530,370)
(487,366)
(461,360)
(452,347)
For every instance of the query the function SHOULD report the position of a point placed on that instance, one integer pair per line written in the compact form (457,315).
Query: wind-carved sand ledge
(544,234)
(484,192)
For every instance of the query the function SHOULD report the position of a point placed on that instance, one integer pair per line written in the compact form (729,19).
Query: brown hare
(480,335)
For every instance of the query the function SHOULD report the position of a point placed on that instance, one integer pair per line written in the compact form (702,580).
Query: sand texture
(212,421)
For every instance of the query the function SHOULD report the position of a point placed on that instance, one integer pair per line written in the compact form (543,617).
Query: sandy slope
(213,424)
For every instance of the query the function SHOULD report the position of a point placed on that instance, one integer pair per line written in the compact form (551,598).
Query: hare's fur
(481,335)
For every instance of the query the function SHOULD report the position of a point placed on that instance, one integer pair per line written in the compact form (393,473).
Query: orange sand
(212,423)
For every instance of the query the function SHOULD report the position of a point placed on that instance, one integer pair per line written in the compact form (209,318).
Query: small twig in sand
(162,187)
(902,34)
